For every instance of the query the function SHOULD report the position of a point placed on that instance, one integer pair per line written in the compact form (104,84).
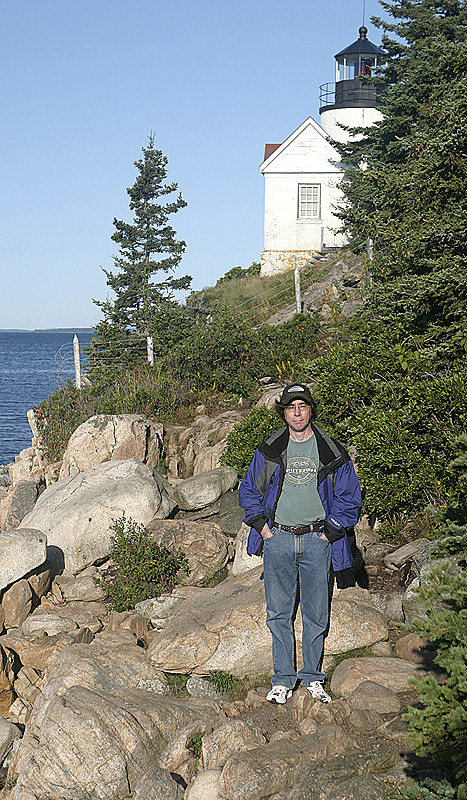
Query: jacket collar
(331,453)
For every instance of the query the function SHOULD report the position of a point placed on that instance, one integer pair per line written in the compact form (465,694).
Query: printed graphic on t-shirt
(300,470)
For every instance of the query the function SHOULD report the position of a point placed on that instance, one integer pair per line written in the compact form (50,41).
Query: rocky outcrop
(339,290)
(76,513)
(233,736)
(112,437)
(263,771)
(355,622)
(224,628)
(90,689)
(197,449)
(94,744)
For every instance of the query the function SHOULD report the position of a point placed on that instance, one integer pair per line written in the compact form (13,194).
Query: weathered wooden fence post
(77,362)
(150,345)
(298,296)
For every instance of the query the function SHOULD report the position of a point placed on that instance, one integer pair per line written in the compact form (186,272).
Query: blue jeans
(287,559)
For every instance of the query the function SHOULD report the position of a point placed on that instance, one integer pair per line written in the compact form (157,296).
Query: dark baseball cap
(295,391)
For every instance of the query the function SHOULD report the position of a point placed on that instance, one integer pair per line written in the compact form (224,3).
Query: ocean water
(33,365)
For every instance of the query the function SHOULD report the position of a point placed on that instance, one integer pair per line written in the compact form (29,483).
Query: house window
(309,197)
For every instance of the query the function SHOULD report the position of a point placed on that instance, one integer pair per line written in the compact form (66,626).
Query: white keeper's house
(302,175)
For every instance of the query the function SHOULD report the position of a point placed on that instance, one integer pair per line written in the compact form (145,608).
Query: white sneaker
(279,694)
(317,691)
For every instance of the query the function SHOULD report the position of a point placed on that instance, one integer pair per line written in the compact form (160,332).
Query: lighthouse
(302,176)
(351,100)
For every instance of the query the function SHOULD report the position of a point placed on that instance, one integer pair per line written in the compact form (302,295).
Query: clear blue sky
(83,85)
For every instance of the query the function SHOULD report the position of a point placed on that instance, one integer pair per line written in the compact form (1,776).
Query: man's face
(298,415)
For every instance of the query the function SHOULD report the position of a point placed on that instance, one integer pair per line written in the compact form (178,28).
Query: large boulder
(242,561)
(21,551)
(112,437)
(202,490)
(93,744)
(86,614)
(40,651)
(353,775)
(232,737)
(7,677)
(76,513)
(230,514)
(23,497)
(197,449)
(393,673)
(8,734)
(355,622)
(17,604)
(99,666)
(272,768)
(204,545)
(224,628)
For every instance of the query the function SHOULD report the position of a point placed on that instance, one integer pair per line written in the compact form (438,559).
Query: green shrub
(438,727)
(142,389)
(293,341)
(143,568)
(242,442)
(176,683)
(238,272)
(222,353)
(402,407)
(431,789)
(60,414)
(209,581)
(223,681)
(195,742)
(406,438)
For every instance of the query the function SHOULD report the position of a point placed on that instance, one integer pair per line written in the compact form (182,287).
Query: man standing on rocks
(300,494)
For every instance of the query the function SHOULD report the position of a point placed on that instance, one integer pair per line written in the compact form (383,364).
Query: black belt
(299,530)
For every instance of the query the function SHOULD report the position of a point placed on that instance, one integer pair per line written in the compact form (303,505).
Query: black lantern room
(354,64)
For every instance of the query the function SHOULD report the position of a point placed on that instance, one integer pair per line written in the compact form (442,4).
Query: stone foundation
(274,262)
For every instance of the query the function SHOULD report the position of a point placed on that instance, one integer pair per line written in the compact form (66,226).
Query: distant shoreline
(47,330)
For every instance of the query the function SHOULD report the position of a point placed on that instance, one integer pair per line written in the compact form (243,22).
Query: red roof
(269,150)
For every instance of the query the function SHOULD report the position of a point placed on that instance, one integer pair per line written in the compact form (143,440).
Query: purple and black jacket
(338,488)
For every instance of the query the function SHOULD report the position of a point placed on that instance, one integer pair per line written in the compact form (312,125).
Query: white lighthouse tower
(351,100)
(302,176)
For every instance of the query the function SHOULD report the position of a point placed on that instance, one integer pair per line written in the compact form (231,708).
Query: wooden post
(298,296)
(150,345)
(77,362)
(369,249)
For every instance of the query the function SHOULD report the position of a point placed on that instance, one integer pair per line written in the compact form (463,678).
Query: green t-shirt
(299,502)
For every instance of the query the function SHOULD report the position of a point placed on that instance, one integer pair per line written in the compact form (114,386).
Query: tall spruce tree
(411,198)
(147,248)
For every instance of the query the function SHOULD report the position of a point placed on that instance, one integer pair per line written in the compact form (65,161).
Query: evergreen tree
(147,247)
(438,725)
(411,198)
